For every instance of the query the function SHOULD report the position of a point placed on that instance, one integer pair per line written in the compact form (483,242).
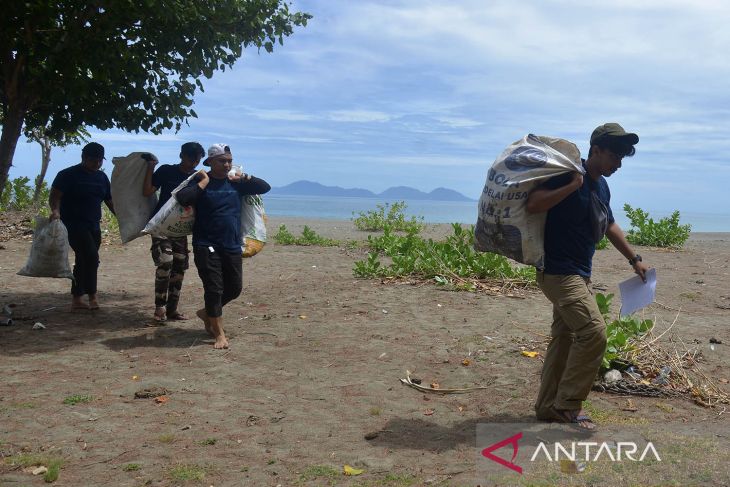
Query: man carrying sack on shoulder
(578,216)
(217,196)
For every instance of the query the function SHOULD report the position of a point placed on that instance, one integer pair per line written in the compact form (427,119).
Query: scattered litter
(382,355)
(612,376)
(385,311)
(438,305)
(6,321)
(466,362)
(716,341)
(629,406)
(348,470)
(49,309)
(662,377)
(161,399)
(314,267)
(151,392)
(135,377)
(302,317)
(488,338)
(435,388)
(39,470)
(8,309)
(529,354)
(186,427)
(428,412)
(570,466)
(39,326)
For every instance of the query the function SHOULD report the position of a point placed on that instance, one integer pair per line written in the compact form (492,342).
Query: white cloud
(360,116)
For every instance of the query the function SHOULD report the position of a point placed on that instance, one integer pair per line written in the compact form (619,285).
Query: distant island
(310,188)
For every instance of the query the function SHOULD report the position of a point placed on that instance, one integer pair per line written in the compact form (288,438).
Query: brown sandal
(568,416)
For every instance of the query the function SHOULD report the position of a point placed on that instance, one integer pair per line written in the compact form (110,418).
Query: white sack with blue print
(503,225)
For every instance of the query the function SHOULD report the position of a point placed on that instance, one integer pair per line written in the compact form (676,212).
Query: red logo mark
(512,440)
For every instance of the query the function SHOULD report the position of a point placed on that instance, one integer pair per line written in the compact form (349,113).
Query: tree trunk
(45,160)
(12,125)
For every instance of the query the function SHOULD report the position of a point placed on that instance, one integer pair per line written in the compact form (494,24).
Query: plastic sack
(253,225)
(49,251)
(133,209)
(173,219)
(504,226)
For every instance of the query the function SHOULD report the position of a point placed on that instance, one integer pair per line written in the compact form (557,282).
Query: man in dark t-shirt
(217,240)
(170,254)
(76,196)
(578,215)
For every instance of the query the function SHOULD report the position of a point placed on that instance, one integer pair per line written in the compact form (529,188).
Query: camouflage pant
(171,258)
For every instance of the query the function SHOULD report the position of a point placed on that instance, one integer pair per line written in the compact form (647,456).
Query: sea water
(346,208)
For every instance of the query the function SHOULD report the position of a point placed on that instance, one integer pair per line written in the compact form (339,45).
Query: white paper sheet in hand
(635,294)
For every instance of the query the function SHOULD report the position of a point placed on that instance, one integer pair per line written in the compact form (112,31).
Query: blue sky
(427,93)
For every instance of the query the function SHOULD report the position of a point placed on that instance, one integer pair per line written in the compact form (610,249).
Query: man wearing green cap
(578,216)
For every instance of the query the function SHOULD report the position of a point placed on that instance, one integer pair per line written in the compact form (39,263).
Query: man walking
(217,196)
(170,254)
(76,196)
(578,216)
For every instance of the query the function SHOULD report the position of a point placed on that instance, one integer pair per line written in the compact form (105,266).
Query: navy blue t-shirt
(83,192)
(569,245)
(166,178)
(218,210)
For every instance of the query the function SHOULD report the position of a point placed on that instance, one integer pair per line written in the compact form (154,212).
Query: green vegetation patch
(390,217)
(308,237)
(184,472)
(667,232)
(77,399)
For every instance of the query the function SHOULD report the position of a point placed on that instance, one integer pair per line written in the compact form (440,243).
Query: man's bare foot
(221,342)
(93,303)
(76,303)
(160,314)
(176,316)
(204,316)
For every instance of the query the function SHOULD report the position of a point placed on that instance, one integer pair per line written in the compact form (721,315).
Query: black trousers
(85,244)
(222,276)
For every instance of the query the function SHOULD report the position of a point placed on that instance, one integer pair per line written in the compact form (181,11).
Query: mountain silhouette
(311,188)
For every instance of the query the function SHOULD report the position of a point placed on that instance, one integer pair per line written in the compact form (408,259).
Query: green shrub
(390,217)
(309,237)
(444,262)
(621,334)
(667,232)
(602,244)
(17,195)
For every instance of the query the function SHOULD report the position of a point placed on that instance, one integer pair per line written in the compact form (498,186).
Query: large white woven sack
(49,251)
(504,226)
(133,209)
(253,225)
(173,219)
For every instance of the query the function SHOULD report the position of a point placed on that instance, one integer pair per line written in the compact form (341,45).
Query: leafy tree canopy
(130,64)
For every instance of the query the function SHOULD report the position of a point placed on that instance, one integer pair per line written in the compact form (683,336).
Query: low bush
(309,237)
(667,232)
(621,334)
(453,261)
(389,217)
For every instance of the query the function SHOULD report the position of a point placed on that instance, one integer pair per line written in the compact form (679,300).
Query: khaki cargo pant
(577,346)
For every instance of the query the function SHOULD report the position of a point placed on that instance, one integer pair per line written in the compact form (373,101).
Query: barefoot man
(170,254)
(76,196)
(217,238)
(578,216)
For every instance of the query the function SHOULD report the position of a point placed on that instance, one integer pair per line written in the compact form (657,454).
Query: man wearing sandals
(170,254)
(578,215)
